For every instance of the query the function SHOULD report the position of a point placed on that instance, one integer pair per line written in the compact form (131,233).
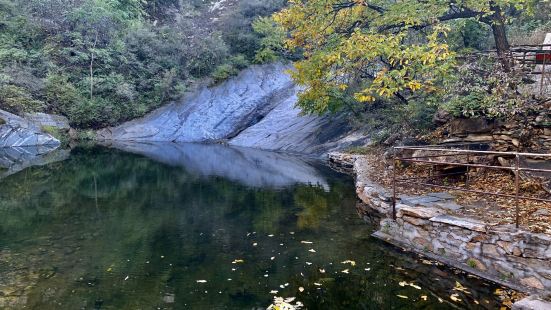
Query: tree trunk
(500,36)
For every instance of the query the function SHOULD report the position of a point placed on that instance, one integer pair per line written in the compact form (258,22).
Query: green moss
(471,263)
(360,150)
(60,134)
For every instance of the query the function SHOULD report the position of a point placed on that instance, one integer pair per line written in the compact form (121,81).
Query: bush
(17,100)
(222,72)
(61,94)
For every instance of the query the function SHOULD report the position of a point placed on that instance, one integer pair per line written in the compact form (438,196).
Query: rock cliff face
(255,109)
(16,131)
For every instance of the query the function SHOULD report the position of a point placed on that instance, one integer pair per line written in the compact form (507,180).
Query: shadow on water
(109,229)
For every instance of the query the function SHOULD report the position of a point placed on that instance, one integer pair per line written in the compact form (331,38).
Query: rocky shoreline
(515,258)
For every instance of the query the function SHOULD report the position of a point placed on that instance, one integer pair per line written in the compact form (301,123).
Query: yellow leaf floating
(455,297)
(351,262)
(301,289)
(306,242)
(402,296)
(238,261)
(424,297)
(345,271)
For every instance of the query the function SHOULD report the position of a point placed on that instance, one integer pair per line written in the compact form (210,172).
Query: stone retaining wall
(531,134)
(516,258)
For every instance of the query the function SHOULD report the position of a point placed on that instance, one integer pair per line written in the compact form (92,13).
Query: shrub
(17,100)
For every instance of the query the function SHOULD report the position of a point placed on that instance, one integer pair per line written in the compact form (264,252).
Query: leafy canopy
(376,48)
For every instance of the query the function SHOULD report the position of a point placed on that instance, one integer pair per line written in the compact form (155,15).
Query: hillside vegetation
(404,60)
(101,62)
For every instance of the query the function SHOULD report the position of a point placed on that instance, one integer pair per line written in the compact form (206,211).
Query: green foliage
(101,62)
(482,89)
(272,42)
(231,68)
(383,50)
(17,100)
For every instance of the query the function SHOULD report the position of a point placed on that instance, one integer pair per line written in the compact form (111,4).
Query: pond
(167,226)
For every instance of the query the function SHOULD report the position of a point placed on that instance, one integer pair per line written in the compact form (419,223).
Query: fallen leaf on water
(301,289)
(351,262)
(321,270)
(201,281)
(273,292)
(237,261)
(255,244)
(415,286)
(403,283)
(317,284)
(424,297)
(312,250)
(345,271)
(272,258)
(270,236)
(306,242)
(402,296)
(109,269)
(308,263)
(455,297)
(461,288)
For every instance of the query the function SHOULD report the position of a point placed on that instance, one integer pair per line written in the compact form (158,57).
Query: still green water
(165,226)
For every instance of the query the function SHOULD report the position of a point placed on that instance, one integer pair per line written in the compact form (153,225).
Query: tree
(380,48)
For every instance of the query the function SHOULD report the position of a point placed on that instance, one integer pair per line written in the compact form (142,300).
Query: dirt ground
(534,216)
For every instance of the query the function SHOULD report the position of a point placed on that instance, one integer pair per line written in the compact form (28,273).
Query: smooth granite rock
(255,109)
(50,120)
(16,131)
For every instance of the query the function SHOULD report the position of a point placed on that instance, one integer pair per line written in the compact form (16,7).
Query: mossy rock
(2,121)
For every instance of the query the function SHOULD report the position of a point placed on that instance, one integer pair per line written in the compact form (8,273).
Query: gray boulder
(50,120)
(16,131)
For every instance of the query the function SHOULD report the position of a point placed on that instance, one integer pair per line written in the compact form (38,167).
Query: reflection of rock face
(15,159)
(255,109)
(251,167)
(17,131)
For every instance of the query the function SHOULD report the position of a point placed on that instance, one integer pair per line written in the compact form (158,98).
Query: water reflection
(247,166)
(106,229)
(15,159)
